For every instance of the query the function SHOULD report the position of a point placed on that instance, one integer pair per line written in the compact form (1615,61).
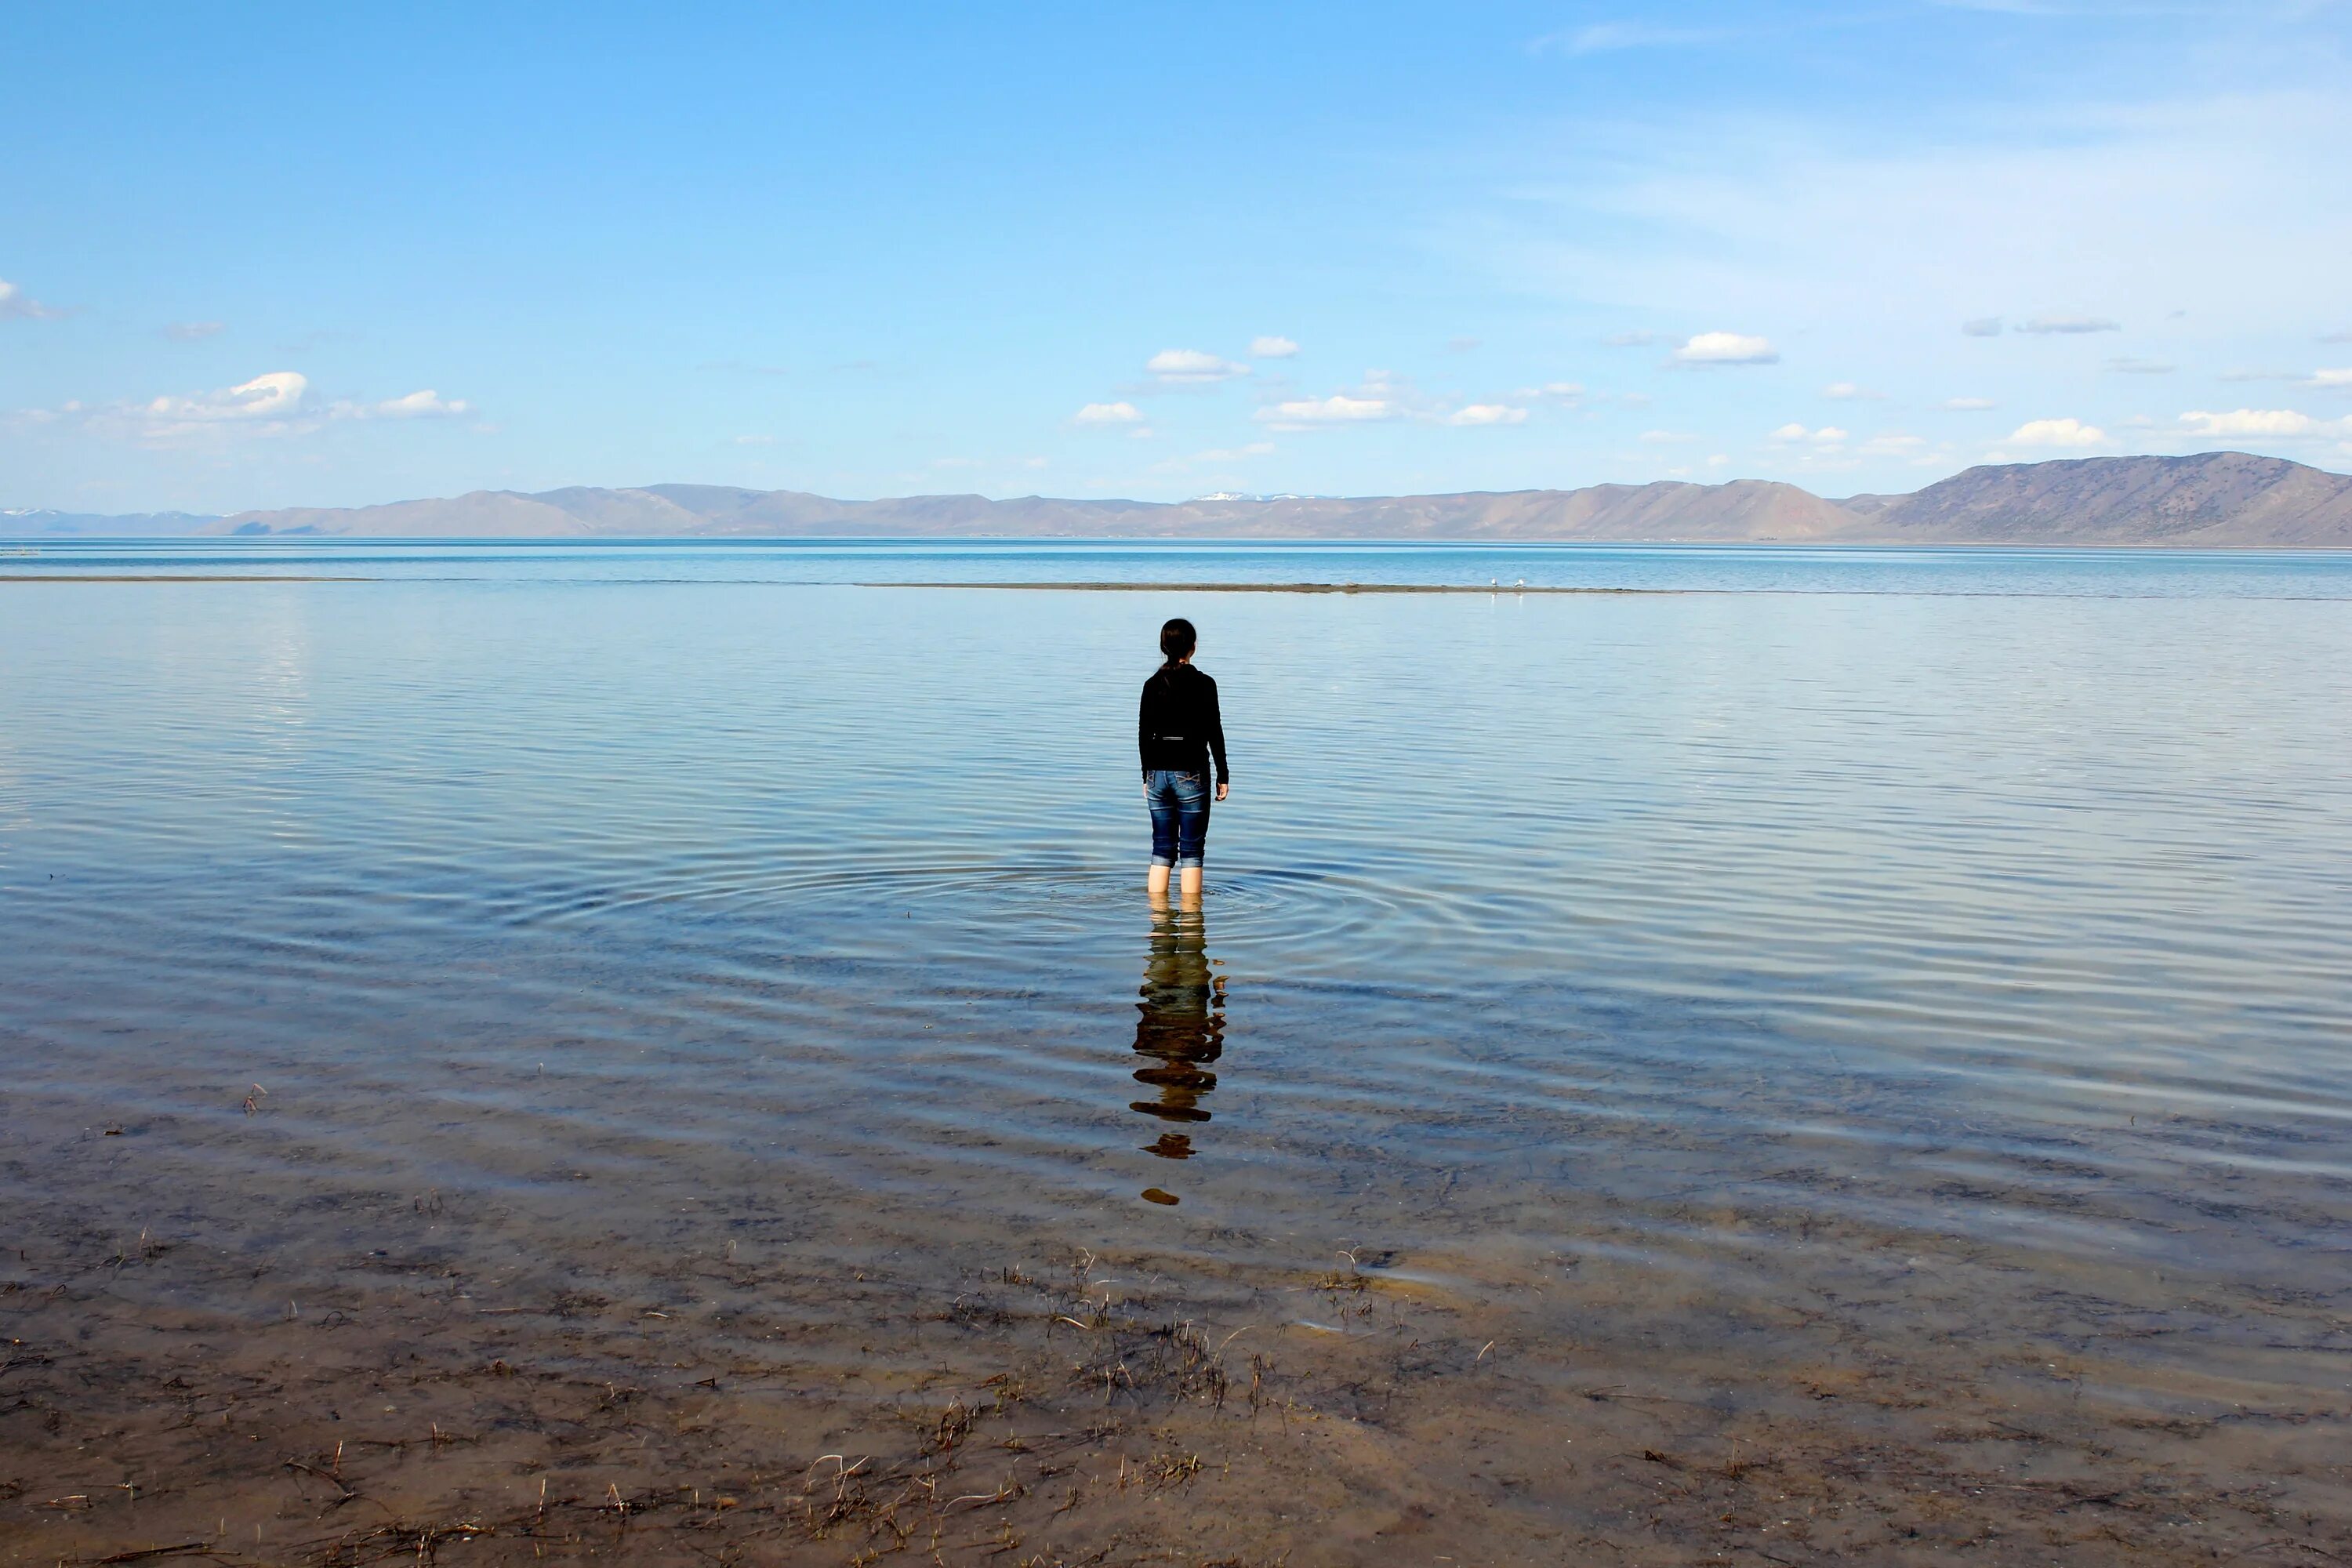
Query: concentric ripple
(1757,936)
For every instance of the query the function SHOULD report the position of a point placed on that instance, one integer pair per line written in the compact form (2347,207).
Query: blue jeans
(1180,816)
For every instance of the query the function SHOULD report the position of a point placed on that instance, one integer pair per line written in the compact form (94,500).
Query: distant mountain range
(34,522)
(2217,499)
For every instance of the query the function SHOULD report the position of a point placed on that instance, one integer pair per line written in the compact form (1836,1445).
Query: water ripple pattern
(1994,897)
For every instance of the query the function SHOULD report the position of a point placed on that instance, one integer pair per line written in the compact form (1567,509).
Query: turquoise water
(2128,574)
(1854,905)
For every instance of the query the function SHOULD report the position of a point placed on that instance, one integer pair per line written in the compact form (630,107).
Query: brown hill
(1744,508)
(2211,498)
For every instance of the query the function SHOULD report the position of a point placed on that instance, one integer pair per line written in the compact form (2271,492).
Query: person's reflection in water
(1182,1031)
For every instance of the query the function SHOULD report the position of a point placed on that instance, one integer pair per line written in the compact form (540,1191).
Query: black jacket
(1180,728)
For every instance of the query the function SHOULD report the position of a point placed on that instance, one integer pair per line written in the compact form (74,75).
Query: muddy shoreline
(824,1387)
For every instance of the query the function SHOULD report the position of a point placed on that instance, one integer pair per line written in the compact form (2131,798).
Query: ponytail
(1177,640)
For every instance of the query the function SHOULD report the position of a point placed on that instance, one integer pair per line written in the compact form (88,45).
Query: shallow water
(1928,963)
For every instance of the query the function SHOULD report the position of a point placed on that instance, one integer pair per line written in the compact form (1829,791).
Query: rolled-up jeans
(1180,816)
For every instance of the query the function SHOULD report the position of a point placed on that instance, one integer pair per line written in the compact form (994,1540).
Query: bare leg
(1156,885)
(1189,882)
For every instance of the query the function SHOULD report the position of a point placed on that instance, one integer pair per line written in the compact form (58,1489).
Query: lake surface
(1919,972)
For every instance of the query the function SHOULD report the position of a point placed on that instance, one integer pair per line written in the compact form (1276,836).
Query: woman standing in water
(1179,732)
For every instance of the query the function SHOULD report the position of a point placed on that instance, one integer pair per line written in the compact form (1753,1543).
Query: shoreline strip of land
(7,576)
(1272,588)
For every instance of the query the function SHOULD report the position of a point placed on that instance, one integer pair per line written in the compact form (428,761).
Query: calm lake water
(1954,939)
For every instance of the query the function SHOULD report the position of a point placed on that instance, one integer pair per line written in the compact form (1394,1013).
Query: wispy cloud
(1727,348)
(1190,367)
(1215,456)
(2046,326)
(1312,412)
(1605,38)
(2125,365)
(267,399)
(17,305)
(1488,414)
(1981,327)
(1850,392)
(425,404)
(1968,405)
(191,331)
(1107,414)
(276,404)
(1633,339)
(2259,423)
(1275,347)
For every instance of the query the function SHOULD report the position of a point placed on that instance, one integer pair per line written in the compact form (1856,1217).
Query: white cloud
(1827,436)
(2058,433)
(1273,347)
(1184,367)
(1981,327)
(2127,365)
(1107,414)
(1970,404)
(191,331)
(277,395)
(2330,380)
(1847,391)
(1336,409)
(276,404)
(1727,348)
(1488,414)
(17,304)
(2272,423)
(425,404)
(1660,213)
(2043,326)
(1567,392)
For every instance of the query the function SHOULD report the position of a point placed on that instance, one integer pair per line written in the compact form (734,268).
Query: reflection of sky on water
(2011,919)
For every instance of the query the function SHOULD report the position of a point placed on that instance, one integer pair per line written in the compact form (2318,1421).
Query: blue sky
(263,256)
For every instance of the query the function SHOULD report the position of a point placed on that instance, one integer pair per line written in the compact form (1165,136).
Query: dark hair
(1177,640)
